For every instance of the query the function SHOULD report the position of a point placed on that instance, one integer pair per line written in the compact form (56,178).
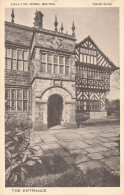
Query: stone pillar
(69,119)
(37,61)
(40,122)
(45,122)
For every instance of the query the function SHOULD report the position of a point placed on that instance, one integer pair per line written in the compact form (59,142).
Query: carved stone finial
(55,23)
(38,20)
(62,27)
(12,16)
(73,29)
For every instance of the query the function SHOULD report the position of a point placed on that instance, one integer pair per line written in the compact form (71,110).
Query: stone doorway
(55,109)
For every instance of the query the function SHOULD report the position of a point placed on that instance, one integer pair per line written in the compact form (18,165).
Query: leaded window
(56,64)
(55,69)
(88,56)
(67,70)
(43,57)
(16,99)
(16,59)
(61,69)
(42,67)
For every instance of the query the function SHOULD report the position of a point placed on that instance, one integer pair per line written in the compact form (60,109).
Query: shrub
(19,156)
(15,121)
(74,177)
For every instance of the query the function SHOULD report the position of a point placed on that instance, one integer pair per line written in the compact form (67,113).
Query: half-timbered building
(93,70)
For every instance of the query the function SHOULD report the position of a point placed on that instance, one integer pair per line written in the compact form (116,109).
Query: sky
(102,24)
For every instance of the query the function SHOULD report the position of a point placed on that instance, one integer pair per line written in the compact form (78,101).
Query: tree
(115,80)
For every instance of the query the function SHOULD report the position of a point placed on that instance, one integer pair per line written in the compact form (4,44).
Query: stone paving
(88,147)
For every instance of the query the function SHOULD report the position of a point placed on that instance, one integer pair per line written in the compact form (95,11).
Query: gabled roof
(97,48)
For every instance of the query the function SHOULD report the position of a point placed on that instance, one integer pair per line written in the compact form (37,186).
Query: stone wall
(14,77)
(18,34)
(40,85)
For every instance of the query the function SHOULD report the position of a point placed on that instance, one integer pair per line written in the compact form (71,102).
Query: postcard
(61,95)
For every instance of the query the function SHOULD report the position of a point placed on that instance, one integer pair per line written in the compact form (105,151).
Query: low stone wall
(97,115)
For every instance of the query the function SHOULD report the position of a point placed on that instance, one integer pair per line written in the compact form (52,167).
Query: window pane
(7,107)
(42,67)
(85,58)
(61,60)
(91,59)
(49,68)
(26,66)
(81,57)
(97,75)
(20,65)
(43,57)
(55,69)
(14,53)
(61,69)
(20,54)
(19,105)
(86,51)
(49,58)
(25,105)
(13,94)
(80,72)
(7,94)
(13,105)
(84,74)
(8,64)
(88,59)
(25,55)
(89,74)
(19,94)
(94,60)
(14,65)
(8,53)
(67,70)
(55,59)
(102,76)
(72,60)
(94,53)
(25,94)
(81,50)
(66,60)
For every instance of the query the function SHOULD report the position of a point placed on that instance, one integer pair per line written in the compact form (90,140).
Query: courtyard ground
(87,147)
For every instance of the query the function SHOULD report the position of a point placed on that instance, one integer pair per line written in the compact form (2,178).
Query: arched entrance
(55,109)
(54,106)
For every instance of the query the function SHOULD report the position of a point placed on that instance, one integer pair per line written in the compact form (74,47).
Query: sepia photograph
(62,97)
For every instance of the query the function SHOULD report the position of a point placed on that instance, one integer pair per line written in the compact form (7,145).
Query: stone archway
(42,104)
